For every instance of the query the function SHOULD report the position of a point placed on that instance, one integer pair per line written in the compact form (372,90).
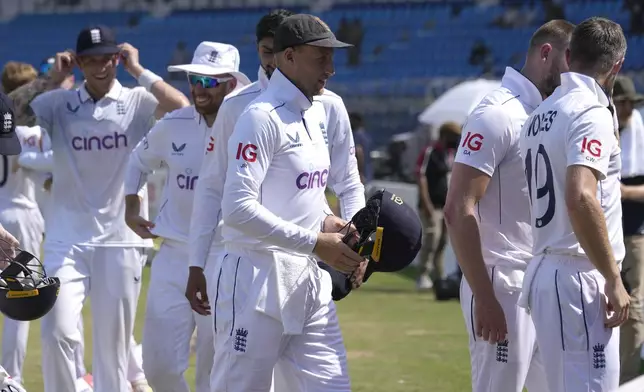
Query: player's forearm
(254,220)
(352,197)
(169,98)
(423,188)
(132,205)
(589,225)
(135,178)
(466,242)
(38,161)
(206,213)
(633,192)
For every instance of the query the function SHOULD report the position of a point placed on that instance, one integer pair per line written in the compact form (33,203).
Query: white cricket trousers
(27,225)
(568,307)
(249,343)
(169,324)
(510,365)
(111,278)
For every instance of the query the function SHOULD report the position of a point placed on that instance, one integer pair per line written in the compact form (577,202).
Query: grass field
(397,340)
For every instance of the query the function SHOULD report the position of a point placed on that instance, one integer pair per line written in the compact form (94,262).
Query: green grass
(397,340)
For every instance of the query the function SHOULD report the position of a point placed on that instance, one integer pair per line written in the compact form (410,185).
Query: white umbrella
(457,103)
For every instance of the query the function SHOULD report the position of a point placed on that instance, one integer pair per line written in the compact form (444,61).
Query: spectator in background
(352,33)
(433,179)
(179,56)
(553,10)
(363,147)
(481,55)
(636,9)
(631,129)
(15,74)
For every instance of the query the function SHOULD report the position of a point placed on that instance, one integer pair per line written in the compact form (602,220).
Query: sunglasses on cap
(206,81)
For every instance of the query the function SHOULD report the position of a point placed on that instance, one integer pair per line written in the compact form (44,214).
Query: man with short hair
(177,143)
(570,149)
(273,303)
(631,134)
(93,130)
(205,230)
(488,214)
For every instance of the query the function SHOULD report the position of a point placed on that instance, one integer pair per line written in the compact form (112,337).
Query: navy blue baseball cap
(305,29)
(9,142)
(96,40)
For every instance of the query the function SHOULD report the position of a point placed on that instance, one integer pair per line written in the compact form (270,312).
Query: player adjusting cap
(305,29)
(9,142)
(390,232)
(96,40)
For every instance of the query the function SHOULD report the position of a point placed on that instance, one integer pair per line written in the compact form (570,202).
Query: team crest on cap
(212,57)
(8,123)
(95,35)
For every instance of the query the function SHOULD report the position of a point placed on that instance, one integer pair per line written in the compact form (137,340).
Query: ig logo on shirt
(472,143)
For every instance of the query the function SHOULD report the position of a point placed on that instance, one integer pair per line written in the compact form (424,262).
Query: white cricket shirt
(490,143)
(278,167)
(18,185)
(572,127)
(205,225)
(176,142)
(91,144)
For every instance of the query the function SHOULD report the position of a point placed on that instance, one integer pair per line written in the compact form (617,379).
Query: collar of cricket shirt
(572,80)
(284,90)
(262,78)
(113,94)
(518,84)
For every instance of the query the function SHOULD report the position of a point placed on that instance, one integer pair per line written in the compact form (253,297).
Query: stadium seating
(411,51)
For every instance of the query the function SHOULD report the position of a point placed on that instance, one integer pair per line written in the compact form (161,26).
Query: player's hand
(618,302)
(140,226)
(196,291)
(8,245)
(64,64)
(130,57)
(358,275)
(489,320)
(330,249)
(335,224)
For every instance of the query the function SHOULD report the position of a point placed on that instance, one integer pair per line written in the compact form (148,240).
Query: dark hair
(356,120)
(596,45)
(557,32)
(268,24)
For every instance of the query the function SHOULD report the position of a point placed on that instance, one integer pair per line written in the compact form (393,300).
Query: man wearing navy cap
(93,129)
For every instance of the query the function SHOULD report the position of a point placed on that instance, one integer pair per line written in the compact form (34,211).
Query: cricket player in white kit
(16,198)
(205,231)
(19,214)
(488,213)
(273,303)
(178,142)
(571,153)
(93,130)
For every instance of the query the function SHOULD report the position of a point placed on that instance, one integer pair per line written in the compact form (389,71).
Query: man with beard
(487,213)
(93,129)
(570,148)
(344,177)
(177,142)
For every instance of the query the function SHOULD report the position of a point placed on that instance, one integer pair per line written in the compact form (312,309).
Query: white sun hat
(214,58)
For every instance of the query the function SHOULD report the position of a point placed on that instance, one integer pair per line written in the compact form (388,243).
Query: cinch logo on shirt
(187,181)
(314,179)
(93,143)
